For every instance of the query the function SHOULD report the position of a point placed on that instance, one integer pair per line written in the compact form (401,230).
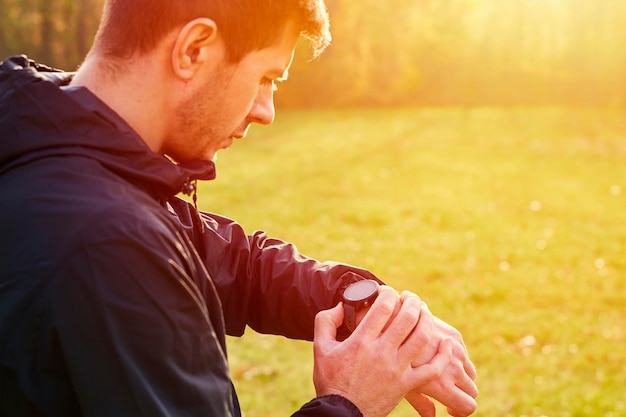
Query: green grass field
(511,224)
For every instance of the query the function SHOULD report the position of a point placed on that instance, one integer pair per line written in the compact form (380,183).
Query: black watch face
(360,290)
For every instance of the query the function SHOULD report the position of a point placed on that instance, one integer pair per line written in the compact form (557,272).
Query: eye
(268,82)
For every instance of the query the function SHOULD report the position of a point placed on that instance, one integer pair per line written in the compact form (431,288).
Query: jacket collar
(40,118)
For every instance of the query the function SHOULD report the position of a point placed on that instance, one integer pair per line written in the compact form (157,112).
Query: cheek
(244,97)
(226,106)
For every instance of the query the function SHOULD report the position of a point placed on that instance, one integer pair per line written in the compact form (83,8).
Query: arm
(265,283)
(273,288)
(260,261)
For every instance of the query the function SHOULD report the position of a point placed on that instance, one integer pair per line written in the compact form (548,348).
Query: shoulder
(54,219)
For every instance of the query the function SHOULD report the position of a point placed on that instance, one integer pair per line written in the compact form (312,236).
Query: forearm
(267,283)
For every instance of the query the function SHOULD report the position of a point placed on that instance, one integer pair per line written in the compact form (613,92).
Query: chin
(206,155)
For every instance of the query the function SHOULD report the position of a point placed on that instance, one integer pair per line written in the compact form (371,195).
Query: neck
(135,93)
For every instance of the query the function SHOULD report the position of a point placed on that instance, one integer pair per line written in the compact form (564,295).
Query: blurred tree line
(55,32)
(405,52)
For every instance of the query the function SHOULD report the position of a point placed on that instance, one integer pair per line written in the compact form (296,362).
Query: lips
(241,132)
(227,143)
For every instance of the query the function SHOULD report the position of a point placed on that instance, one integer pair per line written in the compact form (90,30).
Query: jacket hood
(38,120)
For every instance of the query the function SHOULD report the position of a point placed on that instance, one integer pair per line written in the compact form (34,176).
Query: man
(115,295)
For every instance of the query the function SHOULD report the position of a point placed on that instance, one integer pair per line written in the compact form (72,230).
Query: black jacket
(115,295)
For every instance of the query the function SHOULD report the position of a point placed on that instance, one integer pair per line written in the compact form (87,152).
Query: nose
(262,110)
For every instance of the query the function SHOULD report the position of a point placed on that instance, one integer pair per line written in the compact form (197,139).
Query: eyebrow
(279,74)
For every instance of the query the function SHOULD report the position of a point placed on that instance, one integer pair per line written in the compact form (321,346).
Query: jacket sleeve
(264,282)
(328,406)
(268,284)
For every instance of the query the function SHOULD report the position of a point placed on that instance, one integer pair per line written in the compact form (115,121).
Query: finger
(379,314)
(464,410)
(431,371)
(326,324)
(419,338)
(469,367)
(459,402)
(469,410)
(405,294)
(445,328)
(464,381)
(468,386)
(404,323)
(460,351)
(424,406)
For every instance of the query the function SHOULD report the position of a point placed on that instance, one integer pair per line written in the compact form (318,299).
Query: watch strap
(349,316)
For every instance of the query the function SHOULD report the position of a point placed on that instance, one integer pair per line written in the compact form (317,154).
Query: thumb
(326,324)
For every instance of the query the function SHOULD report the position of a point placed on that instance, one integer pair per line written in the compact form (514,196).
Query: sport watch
(357,296)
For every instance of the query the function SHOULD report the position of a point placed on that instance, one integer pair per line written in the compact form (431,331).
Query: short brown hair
(136,26)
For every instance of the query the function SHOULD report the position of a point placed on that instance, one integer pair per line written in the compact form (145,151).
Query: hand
(455,388)
(372,368)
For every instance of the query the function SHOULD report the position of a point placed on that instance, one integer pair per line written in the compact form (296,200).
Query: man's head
(132,27)
(190,76)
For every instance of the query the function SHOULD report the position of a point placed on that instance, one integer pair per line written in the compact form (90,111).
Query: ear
(193,46)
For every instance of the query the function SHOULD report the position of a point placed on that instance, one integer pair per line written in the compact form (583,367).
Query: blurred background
(405,52)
